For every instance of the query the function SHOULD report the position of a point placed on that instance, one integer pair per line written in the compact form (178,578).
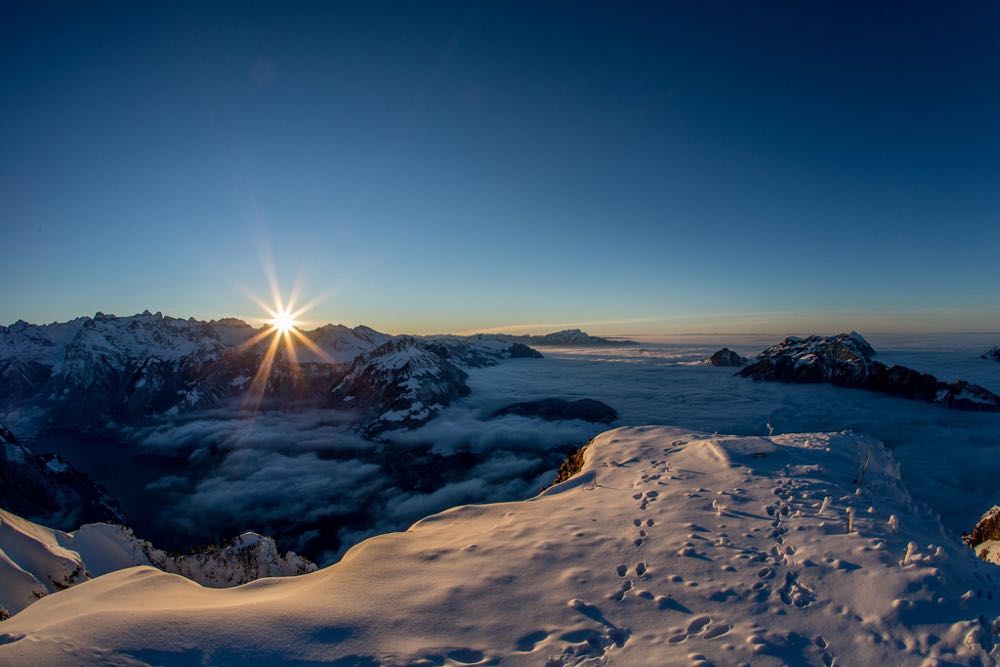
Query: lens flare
(283,321)
(282,331)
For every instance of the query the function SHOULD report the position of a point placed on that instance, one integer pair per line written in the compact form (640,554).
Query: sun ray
(246,345)
(283,328)
(293,356)
(259,383)
(313,347)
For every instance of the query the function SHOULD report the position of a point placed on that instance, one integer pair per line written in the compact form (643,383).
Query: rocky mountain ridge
(845,360)
(566,338)
(90,371)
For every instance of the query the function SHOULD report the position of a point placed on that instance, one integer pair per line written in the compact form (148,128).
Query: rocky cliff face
(846,360)
(44,487)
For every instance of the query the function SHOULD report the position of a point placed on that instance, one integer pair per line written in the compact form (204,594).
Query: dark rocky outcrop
(846,360)
(992,353)
(727,357)
(984,538)
(522,351)
(554,409)
(46,489)
(572,464)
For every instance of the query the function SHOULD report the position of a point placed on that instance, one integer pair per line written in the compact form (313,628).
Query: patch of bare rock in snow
(984,539)
(666,547)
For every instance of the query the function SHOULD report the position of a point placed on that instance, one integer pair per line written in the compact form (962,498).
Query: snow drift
(667,547)
(36,561)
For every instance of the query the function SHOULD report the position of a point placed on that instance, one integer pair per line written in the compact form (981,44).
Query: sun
(283,321)
(283,332)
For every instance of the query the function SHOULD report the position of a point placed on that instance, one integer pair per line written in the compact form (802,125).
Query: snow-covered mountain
(992,353)
(406,381)
(846,360)
(666,547)
(36,561)
(47,488)
(566,338)
(123,368)
(93,370)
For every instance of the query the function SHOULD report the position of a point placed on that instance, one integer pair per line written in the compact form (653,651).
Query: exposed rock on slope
(46,488)
(727,357)
(36,561)
(985,537)
(554,409)
(846,360)
(992,353)
(405,382)
(667,547)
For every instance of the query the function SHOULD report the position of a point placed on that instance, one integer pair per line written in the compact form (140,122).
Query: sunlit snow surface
(667,548)
(950,459)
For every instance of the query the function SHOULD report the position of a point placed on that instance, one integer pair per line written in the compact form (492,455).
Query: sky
(627,167)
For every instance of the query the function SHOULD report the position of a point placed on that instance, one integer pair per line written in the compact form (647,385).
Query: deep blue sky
(453,166)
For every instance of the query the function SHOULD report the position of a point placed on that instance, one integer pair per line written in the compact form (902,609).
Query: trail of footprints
(775,565)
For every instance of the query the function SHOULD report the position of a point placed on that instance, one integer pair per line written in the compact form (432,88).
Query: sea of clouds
(305,477)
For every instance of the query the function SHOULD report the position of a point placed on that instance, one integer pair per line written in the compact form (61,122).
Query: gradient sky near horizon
(625,167)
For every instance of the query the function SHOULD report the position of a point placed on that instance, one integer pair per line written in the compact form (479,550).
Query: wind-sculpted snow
(846,360)
(36,561)
(667,547)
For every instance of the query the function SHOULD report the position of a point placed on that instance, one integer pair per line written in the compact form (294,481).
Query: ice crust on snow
(667,547)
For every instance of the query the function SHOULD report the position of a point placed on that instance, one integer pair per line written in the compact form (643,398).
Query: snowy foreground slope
(36,561)
(668,547)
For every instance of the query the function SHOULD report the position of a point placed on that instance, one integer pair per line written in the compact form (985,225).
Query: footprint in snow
(528,642)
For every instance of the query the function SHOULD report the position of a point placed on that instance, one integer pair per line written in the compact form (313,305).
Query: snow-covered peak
(846,347)
(666,547)
(992,353)
(342,344)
